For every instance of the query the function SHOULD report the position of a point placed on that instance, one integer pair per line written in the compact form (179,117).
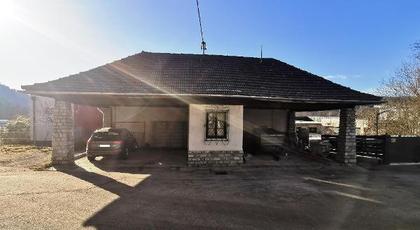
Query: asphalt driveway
(299,196)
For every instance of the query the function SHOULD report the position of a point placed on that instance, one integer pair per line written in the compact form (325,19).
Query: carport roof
(165,74)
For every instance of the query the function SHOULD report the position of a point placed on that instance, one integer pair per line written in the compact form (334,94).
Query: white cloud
(342,77)
(337,76)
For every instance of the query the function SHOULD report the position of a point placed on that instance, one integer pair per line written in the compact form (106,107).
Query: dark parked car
(110,141)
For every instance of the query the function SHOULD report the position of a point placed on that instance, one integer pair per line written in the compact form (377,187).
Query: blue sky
(354,43)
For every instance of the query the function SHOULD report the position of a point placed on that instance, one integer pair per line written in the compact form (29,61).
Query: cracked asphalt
(303,196)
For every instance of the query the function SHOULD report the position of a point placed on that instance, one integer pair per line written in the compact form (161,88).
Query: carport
(200,103)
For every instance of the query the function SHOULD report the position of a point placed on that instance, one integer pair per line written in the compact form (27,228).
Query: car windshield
(106,136)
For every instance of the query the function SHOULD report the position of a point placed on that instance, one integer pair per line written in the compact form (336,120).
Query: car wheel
(91,158)
(124,154)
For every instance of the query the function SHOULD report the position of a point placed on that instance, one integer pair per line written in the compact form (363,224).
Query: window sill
(216,139)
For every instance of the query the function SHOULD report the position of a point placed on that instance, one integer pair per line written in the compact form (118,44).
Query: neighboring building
(331,125)
(205,104)
(308,123)
(327,125)
(311,128)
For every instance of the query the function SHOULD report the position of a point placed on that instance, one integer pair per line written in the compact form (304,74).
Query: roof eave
(166,95)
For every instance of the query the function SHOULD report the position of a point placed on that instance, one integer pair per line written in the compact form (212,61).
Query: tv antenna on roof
(203,43)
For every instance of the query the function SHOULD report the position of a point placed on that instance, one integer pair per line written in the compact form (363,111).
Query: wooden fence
(366,146)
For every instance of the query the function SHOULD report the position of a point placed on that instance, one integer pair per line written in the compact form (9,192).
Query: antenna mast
(203,43)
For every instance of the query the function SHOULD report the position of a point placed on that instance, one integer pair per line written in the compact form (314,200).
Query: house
(327,125)
(204,104)
(332,123)
(305,122)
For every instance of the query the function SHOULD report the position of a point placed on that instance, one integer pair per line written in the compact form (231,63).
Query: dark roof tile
(203,74)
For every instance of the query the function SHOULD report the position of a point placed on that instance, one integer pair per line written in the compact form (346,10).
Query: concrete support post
(63,133)
(291,127)
(347,136)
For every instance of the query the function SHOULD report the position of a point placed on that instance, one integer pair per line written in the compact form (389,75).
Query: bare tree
(369,114)
(406,82)
(402,115)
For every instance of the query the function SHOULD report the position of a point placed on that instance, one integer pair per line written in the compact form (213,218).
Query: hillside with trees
(13,103)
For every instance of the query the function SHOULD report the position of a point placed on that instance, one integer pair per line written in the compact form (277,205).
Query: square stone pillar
(346,143)
(291,128)
(63,133)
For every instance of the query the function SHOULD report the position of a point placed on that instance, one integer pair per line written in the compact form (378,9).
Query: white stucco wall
(42,110)
(197,121)
(139,120)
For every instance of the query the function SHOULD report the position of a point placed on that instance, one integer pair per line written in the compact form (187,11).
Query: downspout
(112,118)
(291,127)
(103,116)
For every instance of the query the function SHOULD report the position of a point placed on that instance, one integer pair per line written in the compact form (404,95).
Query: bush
(20,124)
(16,131)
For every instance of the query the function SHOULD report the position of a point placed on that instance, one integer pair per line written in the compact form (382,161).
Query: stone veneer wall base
(215,158)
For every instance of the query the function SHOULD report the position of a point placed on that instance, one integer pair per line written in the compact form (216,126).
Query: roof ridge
(202,55)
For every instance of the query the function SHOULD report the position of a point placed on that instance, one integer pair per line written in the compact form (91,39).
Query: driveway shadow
(107,183)
(271,198)
(169,199)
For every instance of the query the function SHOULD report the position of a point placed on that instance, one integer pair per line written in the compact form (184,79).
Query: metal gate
(390,149)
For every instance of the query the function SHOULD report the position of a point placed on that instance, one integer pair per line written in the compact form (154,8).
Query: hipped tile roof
(192,74)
